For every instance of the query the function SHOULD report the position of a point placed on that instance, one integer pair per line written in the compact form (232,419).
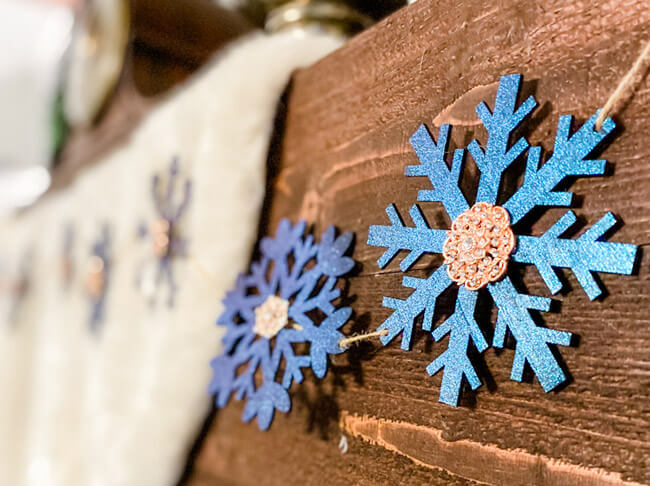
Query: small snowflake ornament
(166,242)
(17,286)
(280,319)
(483,242)
(98,272)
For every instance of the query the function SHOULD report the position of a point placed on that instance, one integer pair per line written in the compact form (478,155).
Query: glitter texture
(583,255)
(272,309)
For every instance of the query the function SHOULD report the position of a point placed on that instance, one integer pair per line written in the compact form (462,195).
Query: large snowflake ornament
(280,319)
(481,243)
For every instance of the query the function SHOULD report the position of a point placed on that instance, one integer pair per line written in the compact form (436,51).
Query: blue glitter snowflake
(583,255)
(272,331)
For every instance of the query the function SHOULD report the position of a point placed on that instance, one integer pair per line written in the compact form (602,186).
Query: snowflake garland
(271,310)
(19,286)
(478,248)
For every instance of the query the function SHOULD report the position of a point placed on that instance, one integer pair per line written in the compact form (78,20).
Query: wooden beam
(341,161)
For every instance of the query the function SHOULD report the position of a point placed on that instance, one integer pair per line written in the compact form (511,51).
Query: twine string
(627,86)
(345,343)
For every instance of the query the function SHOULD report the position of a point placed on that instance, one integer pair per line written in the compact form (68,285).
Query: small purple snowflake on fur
(98,272)
(163,234)
(272,309)
(19,285)
(484,240)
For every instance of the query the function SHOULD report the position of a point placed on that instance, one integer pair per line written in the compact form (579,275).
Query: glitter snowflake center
(271,317)
(478,247)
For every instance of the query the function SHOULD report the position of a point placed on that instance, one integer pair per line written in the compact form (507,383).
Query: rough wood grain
(425,446)
(342,161)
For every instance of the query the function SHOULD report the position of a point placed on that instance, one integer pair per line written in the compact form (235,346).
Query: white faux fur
(124,408)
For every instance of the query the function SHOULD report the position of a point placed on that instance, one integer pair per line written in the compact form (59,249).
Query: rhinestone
(478,246)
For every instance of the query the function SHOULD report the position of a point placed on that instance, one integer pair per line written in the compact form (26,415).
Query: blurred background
(76,76)
(96,97)
(35,36)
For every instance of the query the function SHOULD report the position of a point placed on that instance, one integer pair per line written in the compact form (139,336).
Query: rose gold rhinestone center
(478,247)
(271,316)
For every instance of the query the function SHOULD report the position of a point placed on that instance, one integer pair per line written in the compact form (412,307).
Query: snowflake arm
(583,255)
(220,385)
(417,241)
(423,299)
(237,302)
(225,380)
(331,251)
(432,165)
(185,202)
(297,281)
(325,340)
(532,341)
(268,398)
(462,328)
(331,263)
(568,159)
(294,363)
(322,300)
(500,124)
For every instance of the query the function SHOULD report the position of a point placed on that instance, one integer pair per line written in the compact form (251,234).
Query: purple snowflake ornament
(484,240)
(166,242)
(273,308)
(19,286)
(98,274)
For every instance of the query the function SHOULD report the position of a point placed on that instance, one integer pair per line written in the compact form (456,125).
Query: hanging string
(627,85)
(345,343)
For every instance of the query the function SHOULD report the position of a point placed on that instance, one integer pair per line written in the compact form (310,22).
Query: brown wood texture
(341,160)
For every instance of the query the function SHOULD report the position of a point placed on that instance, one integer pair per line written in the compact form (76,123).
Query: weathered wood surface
(342,160)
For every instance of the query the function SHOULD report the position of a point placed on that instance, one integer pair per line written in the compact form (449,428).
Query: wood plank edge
(483,463)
